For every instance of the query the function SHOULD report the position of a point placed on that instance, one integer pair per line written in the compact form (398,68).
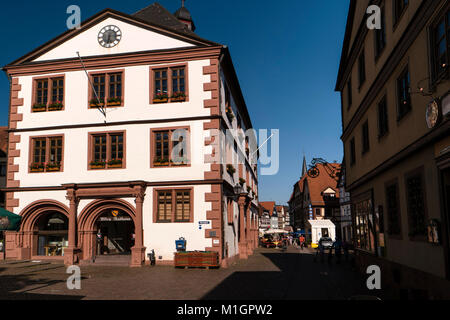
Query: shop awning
(321,223)
(9,221)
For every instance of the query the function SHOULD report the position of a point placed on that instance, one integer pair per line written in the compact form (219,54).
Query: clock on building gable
(109,36)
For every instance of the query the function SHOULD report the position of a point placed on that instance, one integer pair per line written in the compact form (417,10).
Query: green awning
(9,221)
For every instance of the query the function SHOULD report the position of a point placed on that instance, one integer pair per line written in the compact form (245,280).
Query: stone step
(109,261)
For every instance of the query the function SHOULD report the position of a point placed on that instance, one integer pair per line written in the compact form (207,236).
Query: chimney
(184,16)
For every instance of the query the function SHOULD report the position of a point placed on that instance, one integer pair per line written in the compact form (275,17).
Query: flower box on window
(178,97)
(94,103)
(114,102)
(39,107)
(158,162)
(37,167)
(161,98)
(98,165)
(55,106)
(118,163)
(53,167)
(242,181)
(179,162)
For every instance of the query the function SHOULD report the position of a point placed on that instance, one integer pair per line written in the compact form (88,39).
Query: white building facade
(148,171)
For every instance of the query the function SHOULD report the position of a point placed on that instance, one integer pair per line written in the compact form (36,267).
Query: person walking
(302,242)
(338,249)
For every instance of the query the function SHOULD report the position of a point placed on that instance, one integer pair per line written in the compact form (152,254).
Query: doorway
(115,234)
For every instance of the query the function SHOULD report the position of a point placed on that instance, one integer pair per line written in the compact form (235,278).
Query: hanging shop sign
(433,114)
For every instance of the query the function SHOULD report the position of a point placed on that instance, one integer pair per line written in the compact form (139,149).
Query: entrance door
(115,233)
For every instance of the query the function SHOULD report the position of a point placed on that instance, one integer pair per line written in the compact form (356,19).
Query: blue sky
(286,54)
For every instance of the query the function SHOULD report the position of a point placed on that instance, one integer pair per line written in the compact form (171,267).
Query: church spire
(305,168)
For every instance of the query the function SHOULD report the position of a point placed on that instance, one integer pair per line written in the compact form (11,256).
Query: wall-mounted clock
(433,114)
(109,36)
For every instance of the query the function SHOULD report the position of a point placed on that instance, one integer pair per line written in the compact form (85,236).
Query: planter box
(96,105)
(160,100)
(39,109)
(197,259)
(115,166)
(179,99)
(94,167)
(161,164)
(114,104)
(37,170)
(59,108)
(54,169)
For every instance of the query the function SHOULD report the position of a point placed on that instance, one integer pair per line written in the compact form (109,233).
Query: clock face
(432,114)
(109,36)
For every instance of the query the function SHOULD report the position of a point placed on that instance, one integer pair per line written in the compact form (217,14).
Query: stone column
(71,253)
(248,238)
(242,241)
(138,251)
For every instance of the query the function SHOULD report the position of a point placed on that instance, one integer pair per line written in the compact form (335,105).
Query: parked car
(326,242)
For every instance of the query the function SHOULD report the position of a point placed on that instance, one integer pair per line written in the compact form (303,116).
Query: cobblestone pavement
(270,274)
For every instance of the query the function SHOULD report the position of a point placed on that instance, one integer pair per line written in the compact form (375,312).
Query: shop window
(364,229)
(52,235)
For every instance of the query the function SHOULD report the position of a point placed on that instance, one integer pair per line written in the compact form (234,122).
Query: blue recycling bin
(180,245)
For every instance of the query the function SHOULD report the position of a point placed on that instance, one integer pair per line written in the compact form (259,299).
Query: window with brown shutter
(173,206)
(183,206)
(164,213)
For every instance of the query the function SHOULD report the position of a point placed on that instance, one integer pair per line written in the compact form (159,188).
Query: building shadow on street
(14,287)
(300,277)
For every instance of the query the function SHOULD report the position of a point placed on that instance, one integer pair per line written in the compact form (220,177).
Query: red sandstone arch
(27,241)
(87,219)
(34,211)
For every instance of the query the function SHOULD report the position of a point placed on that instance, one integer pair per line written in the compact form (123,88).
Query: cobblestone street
(270,274)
